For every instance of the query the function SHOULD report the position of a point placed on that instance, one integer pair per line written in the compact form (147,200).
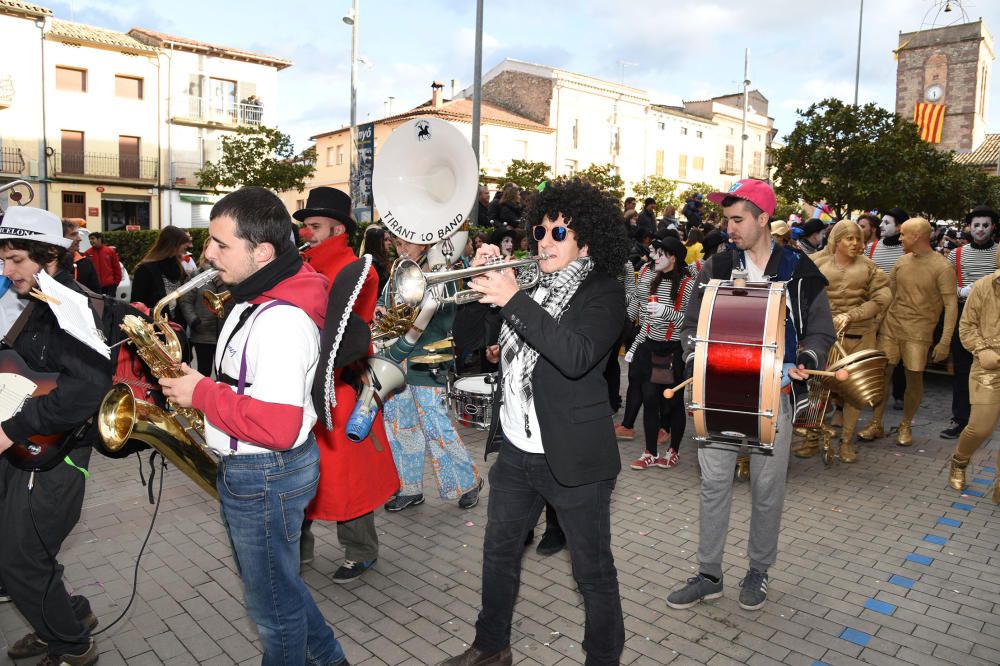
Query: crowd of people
(278,379)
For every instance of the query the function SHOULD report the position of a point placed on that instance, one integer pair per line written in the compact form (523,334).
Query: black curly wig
(594,216)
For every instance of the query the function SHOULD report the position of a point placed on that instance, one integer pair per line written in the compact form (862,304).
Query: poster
(361,175)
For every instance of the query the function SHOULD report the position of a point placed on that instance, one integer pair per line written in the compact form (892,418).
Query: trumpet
(411,283)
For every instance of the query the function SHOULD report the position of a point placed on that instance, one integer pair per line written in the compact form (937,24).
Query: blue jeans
(263,501)
(520,485)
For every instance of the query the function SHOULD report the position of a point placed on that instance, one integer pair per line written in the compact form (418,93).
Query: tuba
(424,183)
(16,196)
(177,433)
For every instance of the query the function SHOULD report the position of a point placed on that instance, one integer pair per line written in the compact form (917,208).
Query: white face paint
(663,261)
(981,228)
(888,226)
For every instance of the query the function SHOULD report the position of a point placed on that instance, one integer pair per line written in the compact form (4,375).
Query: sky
(801,51)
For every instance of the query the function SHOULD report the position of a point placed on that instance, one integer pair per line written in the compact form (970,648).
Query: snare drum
(471,398)
(739,349)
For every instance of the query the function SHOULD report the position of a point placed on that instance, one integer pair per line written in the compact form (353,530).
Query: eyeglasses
(558,233)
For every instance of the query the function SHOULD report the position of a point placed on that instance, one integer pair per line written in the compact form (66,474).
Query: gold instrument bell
(216,302)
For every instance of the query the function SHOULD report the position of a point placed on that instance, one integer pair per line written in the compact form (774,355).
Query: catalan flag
(930,119)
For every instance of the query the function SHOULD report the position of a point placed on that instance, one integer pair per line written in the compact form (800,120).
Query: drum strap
(958,265)
(677,305)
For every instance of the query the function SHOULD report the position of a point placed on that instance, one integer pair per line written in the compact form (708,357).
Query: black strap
(244,316)
(232,381)
(19,325)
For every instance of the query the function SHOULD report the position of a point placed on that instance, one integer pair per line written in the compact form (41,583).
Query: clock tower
(950,66)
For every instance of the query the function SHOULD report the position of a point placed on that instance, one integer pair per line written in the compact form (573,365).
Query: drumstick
(839,375)
(669,393)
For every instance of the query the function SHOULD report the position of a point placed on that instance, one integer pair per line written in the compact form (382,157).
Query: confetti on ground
(469,523)
(643,533)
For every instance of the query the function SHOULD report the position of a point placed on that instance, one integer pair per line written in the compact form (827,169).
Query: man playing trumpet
(859,293)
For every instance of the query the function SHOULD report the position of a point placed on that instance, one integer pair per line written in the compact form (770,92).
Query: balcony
(6,90)
(729,167)
(184,174)
(205,112)
(104,166)
(11,160)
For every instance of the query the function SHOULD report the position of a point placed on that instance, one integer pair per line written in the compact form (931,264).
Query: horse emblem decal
(423,130)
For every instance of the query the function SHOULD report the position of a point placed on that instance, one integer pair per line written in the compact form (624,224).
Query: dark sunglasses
(558,233)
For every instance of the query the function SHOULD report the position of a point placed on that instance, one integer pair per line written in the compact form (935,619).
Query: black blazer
(570,393)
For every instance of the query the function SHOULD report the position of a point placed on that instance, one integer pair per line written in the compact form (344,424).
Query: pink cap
(757,192)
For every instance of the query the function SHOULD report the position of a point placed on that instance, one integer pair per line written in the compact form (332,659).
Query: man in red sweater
(106,263)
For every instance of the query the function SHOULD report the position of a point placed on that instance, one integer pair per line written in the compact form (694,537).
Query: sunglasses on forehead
(558,233)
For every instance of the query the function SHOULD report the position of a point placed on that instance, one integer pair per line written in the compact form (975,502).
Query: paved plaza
(879,563)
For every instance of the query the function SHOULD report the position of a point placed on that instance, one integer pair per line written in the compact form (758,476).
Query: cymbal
(431,359)
(440,344)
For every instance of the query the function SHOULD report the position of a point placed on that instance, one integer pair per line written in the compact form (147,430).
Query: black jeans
(28,569)
(962,360)
(520,485)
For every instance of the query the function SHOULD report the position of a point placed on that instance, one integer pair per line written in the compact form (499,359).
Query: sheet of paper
(73,313)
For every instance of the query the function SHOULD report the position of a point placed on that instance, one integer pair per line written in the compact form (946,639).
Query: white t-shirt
(513,412)
(754,274)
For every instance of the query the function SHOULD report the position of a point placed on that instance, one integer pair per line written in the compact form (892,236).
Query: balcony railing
(729,167)
(11,160)
(183,174)
(104,165)
(215,111)
(6,90)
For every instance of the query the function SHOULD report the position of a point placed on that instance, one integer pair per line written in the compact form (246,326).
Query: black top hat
(812,226)
(983,211)
(328,202)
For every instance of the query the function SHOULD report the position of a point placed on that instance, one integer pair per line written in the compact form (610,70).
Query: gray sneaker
(696,589)
(753,590)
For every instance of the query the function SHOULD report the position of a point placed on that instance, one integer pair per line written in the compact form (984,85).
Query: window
(732,131)
(569,166)
(699,134)
(698,163)
(128,87)
(128,156)
(71,79)
(485,146)
(521,150)
(72,152)
(576,133)
(684,131)
(682,167)
(659,163)
(340,154)
(222,99)
(729,162)
(330,156)
(301,203)
(757,167)
(660,125)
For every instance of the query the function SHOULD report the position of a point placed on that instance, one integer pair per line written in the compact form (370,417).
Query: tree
(262,156)
(605,177)
(662,189)
(526,174)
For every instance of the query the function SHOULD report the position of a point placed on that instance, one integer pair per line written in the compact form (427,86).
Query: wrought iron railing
(211,110)
(11,160)
(105,165)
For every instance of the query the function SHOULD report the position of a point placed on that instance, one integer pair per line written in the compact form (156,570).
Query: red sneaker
(668,461)
(645,461)
(621,432)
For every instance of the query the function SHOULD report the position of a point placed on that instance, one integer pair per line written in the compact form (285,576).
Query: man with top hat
(887,249)
(923,285)
(747,208)
(39,509)
(813,232)
(971,262)
(355,477)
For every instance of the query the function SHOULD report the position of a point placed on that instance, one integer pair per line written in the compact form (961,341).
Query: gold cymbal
(440,344)
(431,359)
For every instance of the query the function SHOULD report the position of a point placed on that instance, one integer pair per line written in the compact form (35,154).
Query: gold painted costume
(859,291)
(979,331)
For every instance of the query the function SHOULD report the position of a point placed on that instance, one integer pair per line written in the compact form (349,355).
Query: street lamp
(351,19)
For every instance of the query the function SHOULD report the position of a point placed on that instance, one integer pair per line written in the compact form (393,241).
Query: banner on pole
(361,175)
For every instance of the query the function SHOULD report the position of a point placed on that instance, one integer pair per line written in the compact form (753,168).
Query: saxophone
(177,433)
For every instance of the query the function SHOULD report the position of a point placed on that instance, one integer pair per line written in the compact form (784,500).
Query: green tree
(605,177)
(526,174)
(662,189)
(262,156)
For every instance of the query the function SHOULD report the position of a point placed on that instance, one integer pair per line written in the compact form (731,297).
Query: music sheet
(73,312)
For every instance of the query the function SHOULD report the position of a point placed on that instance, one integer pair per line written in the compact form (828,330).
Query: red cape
(354,478)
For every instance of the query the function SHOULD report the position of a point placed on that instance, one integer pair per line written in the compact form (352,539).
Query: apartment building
(726,111)
(112,127)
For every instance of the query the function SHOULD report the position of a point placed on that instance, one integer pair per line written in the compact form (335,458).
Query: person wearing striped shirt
(660,301)
(970,262)
(885,251)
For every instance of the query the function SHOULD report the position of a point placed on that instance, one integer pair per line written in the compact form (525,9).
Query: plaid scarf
(561,286)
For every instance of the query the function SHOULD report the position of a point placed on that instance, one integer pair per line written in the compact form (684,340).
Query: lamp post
(857,65)
(352,20)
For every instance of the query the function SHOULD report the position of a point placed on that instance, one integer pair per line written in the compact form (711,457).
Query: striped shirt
(884,256)
(971,263)
(667,327)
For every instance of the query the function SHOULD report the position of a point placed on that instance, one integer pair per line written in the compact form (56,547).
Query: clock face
(934,93)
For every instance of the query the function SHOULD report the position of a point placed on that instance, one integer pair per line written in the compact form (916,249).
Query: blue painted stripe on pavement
(819,663)
(961,507)
(902,581)
(989,470)
(880,606)
(982,482)
(973,492)
(950,522)
(855,636)
(935,539)
(919,559)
